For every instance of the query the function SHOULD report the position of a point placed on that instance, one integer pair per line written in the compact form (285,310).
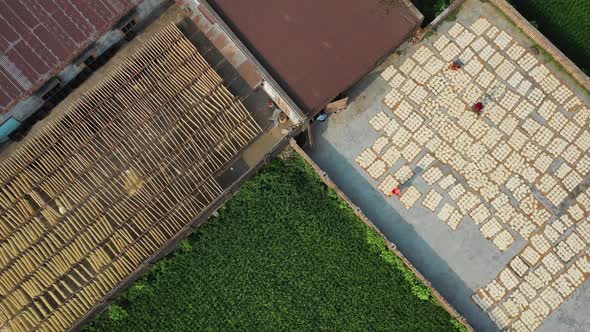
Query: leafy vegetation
(286,253)
(431,8)
(565,23)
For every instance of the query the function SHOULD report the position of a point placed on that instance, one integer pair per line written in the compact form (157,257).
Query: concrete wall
(443,16)
(210,20)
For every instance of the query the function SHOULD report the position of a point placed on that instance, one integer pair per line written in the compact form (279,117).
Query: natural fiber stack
(100,189)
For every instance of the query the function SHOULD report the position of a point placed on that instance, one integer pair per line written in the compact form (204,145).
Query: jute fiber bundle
(100,189)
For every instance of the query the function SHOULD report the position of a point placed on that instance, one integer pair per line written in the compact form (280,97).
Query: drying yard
(518,173)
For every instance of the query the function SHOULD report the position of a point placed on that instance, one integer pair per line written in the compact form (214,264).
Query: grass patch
(565,23)
(286,253)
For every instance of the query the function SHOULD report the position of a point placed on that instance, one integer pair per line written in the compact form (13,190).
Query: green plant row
(286,253)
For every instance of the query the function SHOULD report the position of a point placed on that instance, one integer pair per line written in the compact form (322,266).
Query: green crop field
(565,22)
(284,254)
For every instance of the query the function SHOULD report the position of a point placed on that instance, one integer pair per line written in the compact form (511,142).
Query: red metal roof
(38,38)
(316,49)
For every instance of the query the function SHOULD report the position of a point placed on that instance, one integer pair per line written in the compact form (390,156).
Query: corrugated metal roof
(317,49)
(39,38)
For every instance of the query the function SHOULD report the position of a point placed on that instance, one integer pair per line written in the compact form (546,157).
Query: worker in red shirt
(477,108)
(397,191)
(455,65)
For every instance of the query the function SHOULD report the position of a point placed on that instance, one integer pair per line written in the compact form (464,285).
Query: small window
(128,27)
(49,94)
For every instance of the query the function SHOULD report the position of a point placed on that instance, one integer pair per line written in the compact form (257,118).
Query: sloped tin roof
(39,38)
(316,49)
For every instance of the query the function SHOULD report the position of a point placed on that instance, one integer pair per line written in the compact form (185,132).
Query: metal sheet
(318,49)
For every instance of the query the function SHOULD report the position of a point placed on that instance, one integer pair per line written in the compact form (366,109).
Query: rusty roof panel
(39,38)
(317,49)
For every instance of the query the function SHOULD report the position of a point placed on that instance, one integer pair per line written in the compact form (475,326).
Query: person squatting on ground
(477,108)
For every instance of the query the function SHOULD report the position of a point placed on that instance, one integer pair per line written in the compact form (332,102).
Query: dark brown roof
(316,49)
(38,38)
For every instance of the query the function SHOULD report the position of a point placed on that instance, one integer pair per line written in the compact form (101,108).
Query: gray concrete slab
(457,263)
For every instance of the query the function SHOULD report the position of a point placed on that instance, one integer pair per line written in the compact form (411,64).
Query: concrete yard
(494,210)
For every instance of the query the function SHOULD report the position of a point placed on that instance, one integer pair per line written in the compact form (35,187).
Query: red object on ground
(396,192)
(455,66)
